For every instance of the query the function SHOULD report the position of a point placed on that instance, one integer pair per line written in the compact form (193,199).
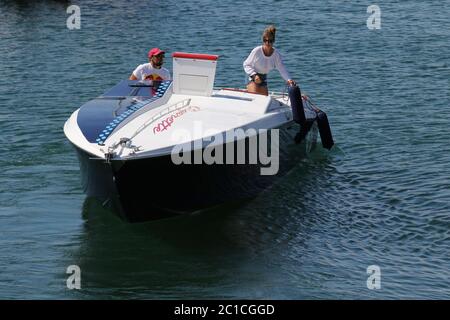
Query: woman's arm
(279,64)
(249,63)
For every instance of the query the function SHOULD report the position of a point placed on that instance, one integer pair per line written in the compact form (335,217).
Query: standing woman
(261,60)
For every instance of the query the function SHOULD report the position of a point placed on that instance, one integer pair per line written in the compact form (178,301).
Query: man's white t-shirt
(147,72)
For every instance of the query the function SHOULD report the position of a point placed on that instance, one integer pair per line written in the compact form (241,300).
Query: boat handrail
(176,106)
(272,94)
(127,142)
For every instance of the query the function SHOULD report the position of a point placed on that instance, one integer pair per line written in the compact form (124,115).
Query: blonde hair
(269,32)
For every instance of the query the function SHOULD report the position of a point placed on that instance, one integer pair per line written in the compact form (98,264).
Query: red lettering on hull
(167,122)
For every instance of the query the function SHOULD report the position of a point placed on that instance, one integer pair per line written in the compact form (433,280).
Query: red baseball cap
(155,52)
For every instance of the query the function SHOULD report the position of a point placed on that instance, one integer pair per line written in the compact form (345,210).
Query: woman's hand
(291,82)
(257,79)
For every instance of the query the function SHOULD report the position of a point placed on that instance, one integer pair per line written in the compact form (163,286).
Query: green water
(380,197)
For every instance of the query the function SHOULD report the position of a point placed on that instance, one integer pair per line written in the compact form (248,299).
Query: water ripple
(380,197)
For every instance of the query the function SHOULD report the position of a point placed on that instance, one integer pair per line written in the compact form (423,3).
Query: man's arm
(137,72)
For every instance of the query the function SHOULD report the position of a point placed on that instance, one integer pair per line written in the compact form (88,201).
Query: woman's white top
(258,62)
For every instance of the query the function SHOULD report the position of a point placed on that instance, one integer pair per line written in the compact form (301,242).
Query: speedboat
(153,149)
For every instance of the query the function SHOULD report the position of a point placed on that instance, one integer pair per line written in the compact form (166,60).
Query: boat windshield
(134,88)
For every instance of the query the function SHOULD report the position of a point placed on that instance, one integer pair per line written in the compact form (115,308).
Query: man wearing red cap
(152,70)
